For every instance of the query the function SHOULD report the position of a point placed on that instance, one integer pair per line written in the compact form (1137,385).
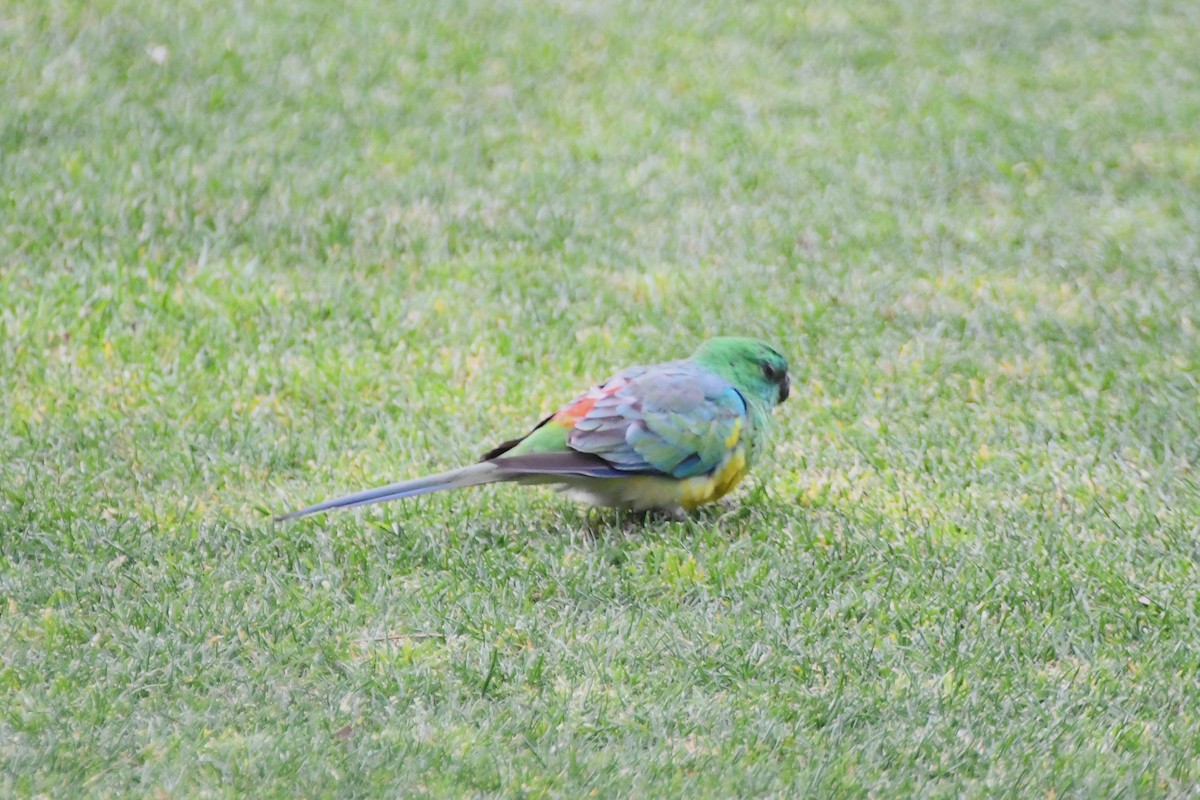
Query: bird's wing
(674,419)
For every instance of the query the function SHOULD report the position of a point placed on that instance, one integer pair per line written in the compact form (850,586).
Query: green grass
(254,254)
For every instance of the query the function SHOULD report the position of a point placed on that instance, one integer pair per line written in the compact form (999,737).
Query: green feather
(551,437)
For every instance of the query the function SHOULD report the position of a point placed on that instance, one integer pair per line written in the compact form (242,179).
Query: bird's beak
(785,388)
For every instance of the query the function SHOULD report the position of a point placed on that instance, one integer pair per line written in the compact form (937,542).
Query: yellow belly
(708,488)
(645,493)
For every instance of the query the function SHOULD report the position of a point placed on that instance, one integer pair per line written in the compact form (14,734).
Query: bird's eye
(771,372)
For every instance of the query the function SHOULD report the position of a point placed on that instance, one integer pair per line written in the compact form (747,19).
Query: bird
(666,437)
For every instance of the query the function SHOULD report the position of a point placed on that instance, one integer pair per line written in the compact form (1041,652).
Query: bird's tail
(472,475)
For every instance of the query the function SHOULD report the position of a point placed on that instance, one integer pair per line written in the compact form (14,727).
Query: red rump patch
(579,409)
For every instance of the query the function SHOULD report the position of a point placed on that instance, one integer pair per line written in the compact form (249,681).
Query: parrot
(665,437)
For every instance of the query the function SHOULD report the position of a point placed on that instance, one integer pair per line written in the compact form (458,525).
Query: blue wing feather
(672,419)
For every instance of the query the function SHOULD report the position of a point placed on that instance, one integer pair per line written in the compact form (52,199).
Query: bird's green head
(757,370)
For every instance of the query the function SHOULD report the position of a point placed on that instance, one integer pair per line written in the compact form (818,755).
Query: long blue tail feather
(472,475)
(530,468)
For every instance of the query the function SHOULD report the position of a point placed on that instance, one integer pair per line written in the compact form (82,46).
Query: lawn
(256,254)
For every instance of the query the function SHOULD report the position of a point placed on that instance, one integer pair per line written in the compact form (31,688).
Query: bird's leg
(675,514)
(645,517)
